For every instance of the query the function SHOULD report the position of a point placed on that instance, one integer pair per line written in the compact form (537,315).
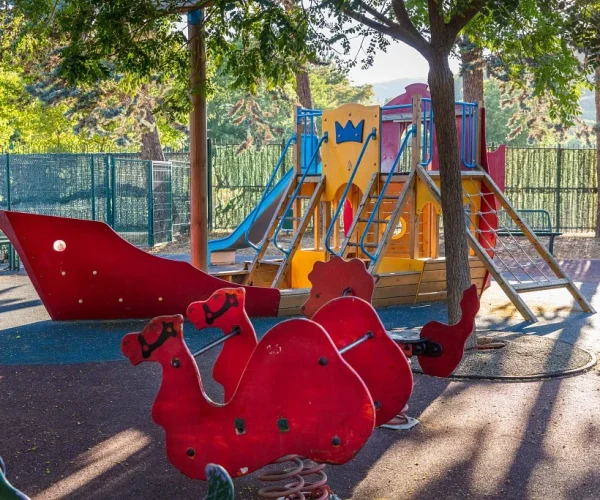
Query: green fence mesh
(148,202)
(561,181)
(180,196)
(238,180)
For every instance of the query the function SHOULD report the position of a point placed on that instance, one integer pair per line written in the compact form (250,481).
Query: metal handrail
(469,143)
(338,210)
(295,194)
(396,106)
(410,132)
(267,189)
(427,133)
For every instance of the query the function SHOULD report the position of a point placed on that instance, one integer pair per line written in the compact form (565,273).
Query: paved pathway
(75,418)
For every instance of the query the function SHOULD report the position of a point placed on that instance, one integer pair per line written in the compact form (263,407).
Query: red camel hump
(224,309)
(379,361)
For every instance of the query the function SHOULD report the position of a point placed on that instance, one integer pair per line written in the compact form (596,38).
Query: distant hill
(384,91)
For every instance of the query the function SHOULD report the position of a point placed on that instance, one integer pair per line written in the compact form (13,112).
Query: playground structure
(348,376)
(393,226)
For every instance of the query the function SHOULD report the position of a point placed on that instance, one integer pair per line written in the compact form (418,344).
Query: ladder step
(279,217)
(366,245)
(300,197)
(534,286)
(375,196)
(376,221)
(272,262)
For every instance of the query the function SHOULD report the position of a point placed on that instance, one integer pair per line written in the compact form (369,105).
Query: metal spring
(298,488)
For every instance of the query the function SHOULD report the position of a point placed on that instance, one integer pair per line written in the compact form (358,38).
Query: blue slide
(264,213)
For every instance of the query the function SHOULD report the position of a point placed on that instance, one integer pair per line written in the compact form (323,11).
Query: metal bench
(538,220)
(13,258)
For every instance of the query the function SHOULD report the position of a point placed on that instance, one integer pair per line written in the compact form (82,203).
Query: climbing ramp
(518,265)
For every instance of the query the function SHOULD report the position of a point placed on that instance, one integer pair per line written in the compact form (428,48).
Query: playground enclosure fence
(148,202)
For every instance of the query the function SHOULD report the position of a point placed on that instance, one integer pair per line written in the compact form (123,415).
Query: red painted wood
(330,279)
(494,163)
(237,350)
(451,337)
(378,361)
(321,402)
(348,216)
(99,275)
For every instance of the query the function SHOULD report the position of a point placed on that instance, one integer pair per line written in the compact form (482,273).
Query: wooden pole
(198,142)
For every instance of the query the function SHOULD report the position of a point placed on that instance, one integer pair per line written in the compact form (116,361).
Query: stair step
(366,245)
(535,285)
(376,221)
(375,196)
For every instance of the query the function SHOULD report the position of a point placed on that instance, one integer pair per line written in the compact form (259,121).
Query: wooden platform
(397,288)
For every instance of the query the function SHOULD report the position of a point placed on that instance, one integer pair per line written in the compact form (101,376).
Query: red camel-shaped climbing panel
(378,361)
(84,270)
(452,338)
(296,395)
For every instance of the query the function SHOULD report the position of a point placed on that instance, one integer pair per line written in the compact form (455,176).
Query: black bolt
(176,363)
(190,452)
(377,404)
(323,361)
(336,441)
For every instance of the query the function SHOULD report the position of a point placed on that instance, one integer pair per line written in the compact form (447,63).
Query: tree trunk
(597,128)
(458,277)
(151,146)
(472,66)
(303,89)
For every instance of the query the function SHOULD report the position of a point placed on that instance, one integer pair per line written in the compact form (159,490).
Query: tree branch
(378,15)
(461,19)
(406,23)
(382,28)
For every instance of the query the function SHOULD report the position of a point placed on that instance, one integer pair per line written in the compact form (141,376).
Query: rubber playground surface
(75,416)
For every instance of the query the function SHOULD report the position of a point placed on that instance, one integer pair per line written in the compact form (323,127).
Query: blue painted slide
(264,214)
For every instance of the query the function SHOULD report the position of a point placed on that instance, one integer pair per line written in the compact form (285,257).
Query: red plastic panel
(225,310)
(379,361)
(451,337)
(331,279)
(296,395)
(84,270)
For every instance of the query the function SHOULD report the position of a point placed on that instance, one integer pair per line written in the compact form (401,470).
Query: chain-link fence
(132,196)
(148,202)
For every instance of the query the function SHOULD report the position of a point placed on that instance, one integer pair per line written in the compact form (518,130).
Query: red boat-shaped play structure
(83,270)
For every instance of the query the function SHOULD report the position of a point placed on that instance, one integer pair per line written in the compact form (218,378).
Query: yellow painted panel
(339,159)
(424,196)
(470,186)
(302,264)
(398,264)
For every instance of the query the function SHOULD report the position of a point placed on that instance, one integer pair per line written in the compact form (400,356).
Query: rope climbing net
(516,257)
